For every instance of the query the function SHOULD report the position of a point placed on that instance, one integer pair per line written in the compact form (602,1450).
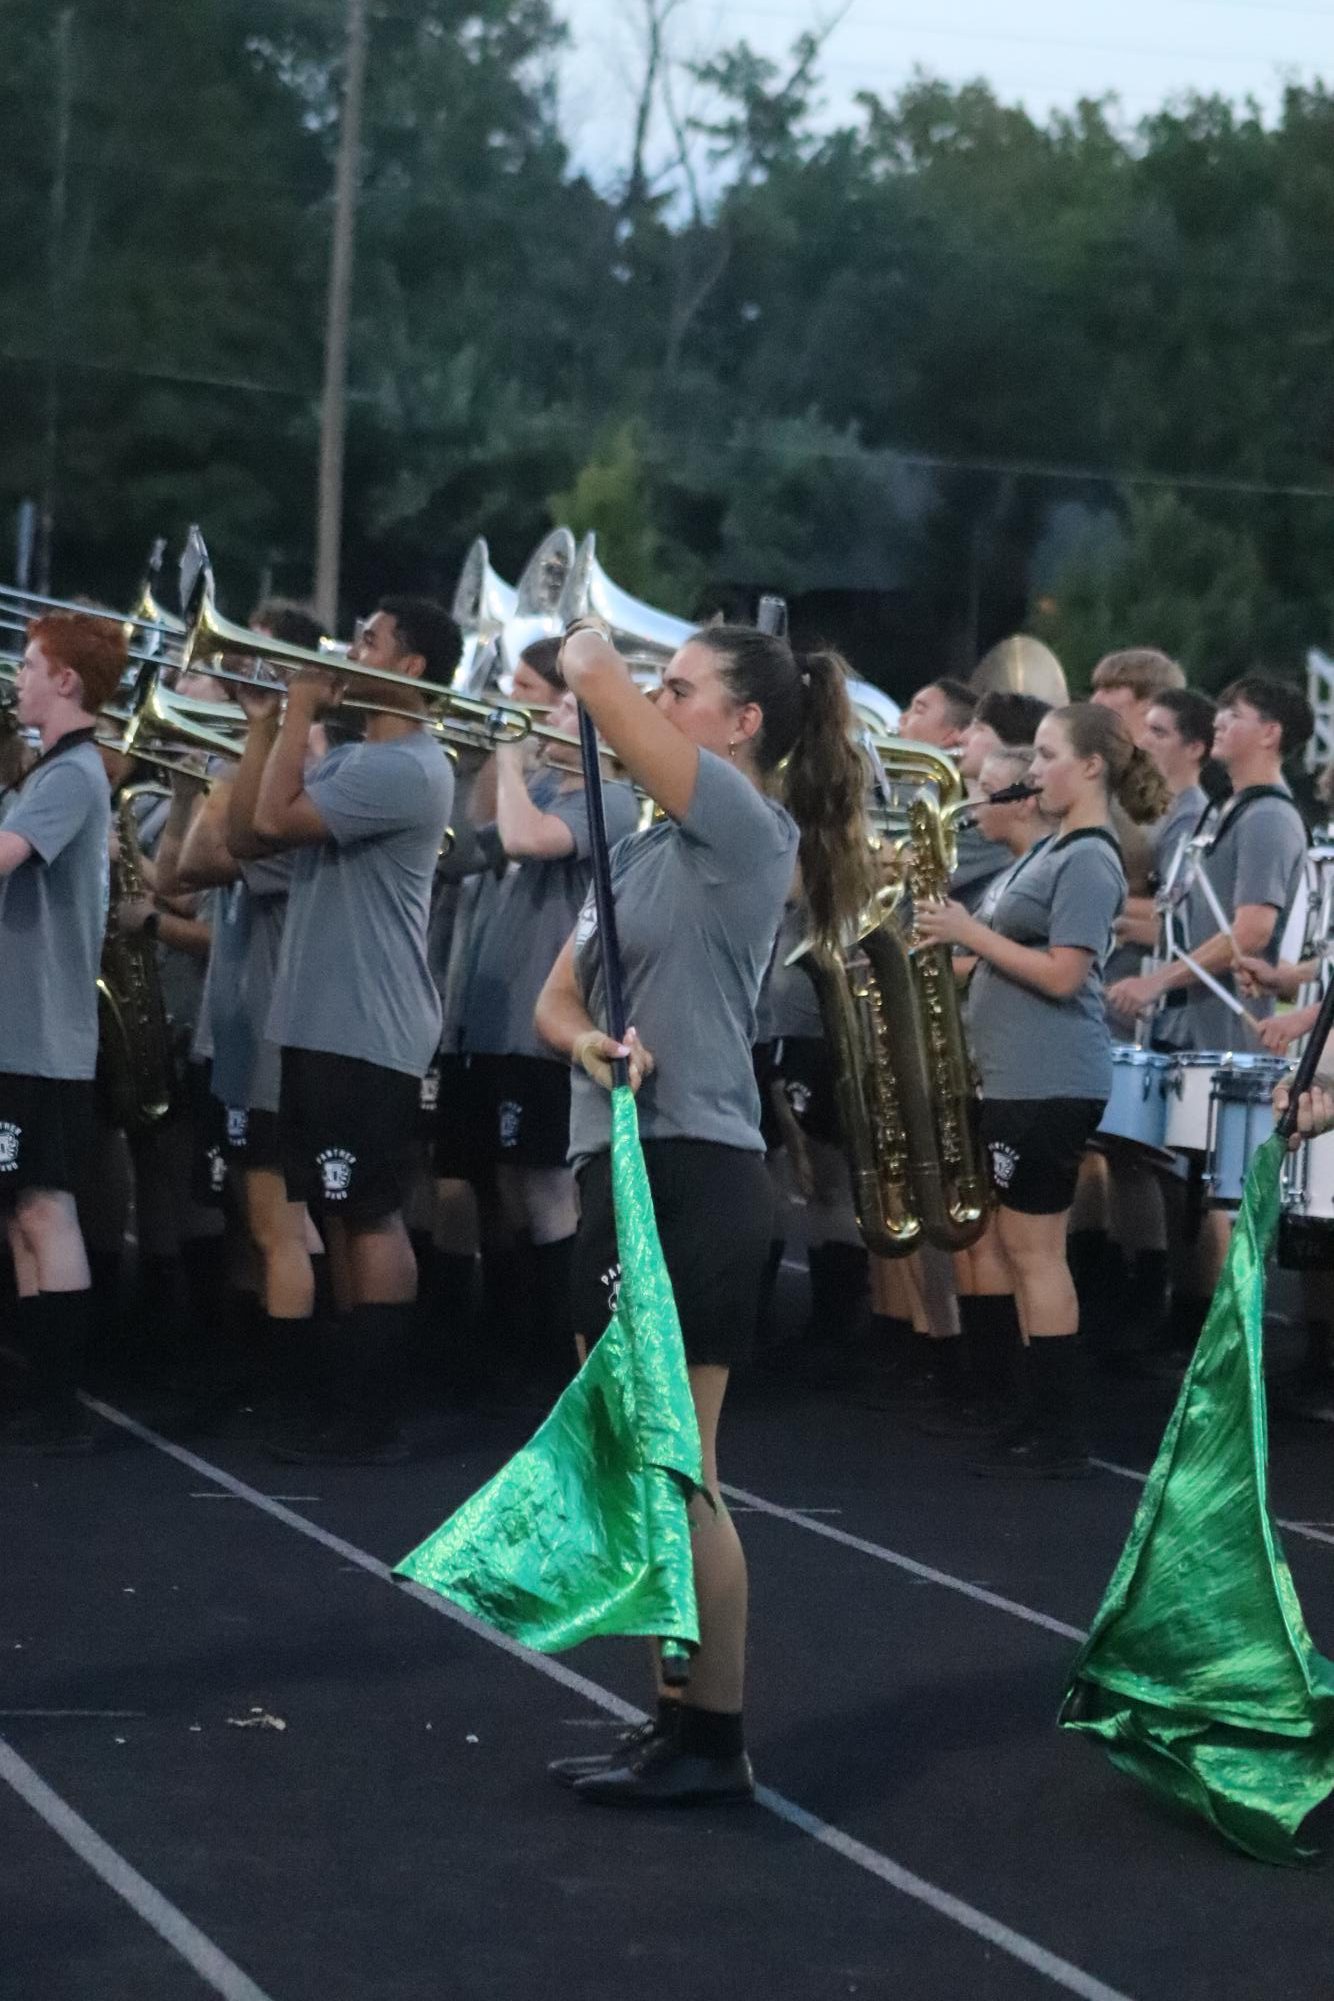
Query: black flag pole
(1309,1062)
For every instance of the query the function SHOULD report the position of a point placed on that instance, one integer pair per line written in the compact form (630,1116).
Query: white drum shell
(1189,1091)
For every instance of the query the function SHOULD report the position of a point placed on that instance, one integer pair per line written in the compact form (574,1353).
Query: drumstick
(1220,917)
(1216,987)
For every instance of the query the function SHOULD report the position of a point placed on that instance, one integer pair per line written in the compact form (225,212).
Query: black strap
(1090,833)
(70,741)
(1232,809)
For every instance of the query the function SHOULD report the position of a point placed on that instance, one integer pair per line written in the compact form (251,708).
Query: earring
(731,750)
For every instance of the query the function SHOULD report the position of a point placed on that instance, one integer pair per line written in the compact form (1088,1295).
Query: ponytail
(806,738)
(1131,776)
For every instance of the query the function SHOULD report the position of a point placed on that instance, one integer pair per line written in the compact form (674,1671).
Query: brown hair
(92,648)
(1275,702)
(1133,779)
(1142,669)
(543,656)
(295,624)
(807,729)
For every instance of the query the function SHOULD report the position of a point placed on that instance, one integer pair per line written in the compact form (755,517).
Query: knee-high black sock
(1060,1401)
(60,1323)
(372,1343)
(990,1328)
(19,1339)
(552,1351)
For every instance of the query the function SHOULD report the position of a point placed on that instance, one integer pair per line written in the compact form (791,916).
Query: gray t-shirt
(1255,854)
(533,914)
(248,920)
(1067,891)
(697,906)
(1177,825)
(788,1009)
(978,861)
(353,978)
(53,913)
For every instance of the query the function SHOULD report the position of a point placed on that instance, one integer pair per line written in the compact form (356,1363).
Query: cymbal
(1022,665)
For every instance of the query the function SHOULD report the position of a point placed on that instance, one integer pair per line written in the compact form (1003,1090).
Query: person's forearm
(282,780)
(167,855)
(183,934)
(1215,955)
(243,793)
(1029,965)
(206,861)
(518,821)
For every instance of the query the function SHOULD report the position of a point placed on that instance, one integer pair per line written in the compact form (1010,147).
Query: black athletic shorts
(208,1135)
(428,1105)
(347,1133)
(455,1136)
(47,1127)
(520,1108)
(715,1211)
(804,1068)
(250,1137)
(1035,1146)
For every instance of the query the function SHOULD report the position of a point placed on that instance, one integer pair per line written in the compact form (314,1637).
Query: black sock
(947,1358)
(552,1326)
(990,1328)
(60,1327)
(372,1343)
(839,1279)
(891,1340)
(1056,1363)
(921,1352)
(288,1354)
(710,1733)
(324,1299)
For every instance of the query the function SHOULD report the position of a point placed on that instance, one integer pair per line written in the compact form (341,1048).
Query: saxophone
(135,1067)
(904,1082)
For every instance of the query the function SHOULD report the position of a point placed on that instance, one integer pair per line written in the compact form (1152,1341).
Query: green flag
(585,1531)
(1199,1675)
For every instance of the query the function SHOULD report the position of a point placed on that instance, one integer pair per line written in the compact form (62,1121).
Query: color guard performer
(53,905)
(698,900)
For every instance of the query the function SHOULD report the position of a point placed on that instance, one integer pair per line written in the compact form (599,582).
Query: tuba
(904,1082)
(135,1066)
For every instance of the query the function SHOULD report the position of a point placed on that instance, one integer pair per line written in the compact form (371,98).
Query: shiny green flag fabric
(1199,1676)
(585,1532)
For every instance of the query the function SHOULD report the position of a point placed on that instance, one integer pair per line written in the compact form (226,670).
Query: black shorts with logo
(804,1068)
(47,1128)
(715,1211)
(208,1152)
(454,1145)
(250,1136)
(347,1134)
(1034,1146)
(519,1107)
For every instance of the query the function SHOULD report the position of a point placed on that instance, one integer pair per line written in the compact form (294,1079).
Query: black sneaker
(663,1776)
(64,1431)
(628,1746)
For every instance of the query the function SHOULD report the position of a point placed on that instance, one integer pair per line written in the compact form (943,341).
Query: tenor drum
(1189,1090)
(1242,1118)
(1306,1229)
(1137,1108)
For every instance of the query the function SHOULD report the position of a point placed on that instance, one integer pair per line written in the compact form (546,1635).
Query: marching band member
(355,1011)
(1253,859)
(698,901)
(53,903)
(1129,682)
(939,713)
(1043,1051)
(519,1093)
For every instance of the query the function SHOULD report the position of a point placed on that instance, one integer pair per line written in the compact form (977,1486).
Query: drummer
(1178,735)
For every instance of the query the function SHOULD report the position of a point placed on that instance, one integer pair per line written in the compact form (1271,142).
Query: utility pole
(333,407)
(55,293)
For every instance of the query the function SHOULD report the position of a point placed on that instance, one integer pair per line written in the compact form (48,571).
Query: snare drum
(1242,1118)
(1308,1181)
(1137,1108)
(1189,1090)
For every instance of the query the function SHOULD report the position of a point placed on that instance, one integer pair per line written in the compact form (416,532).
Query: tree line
(938,372)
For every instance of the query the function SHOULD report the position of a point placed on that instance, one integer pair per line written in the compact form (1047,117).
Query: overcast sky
(1037,51)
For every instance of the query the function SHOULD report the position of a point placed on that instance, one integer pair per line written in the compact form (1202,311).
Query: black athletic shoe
(628,1747)
(666,1777)
(66,1432)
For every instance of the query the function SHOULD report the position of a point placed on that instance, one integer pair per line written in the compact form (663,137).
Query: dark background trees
(935,373)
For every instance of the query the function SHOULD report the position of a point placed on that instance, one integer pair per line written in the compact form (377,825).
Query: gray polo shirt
(53,913)
(248,920)
(353,978)
(1177,825)
(697,905)
(534,912)
(788,1008)
(1256,853)
(1067,891)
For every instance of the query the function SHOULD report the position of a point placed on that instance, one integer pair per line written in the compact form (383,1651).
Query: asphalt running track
(924,1832)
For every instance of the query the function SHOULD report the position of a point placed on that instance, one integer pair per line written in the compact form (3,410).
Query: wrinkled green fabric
(1199,1675)
(585,1532)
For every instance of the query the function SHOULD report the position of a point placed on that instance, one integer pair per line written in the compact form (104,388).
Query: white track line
(172,1926)
(1026,1950)
(1302,1529)
(977,1592)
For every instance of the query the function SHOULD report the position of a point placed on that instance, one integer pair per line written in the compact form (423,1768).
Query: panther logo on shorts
(238,1125)
(798,1096)
(511,1118)
(336,1165)
(217,1170)
(10,1140)
(430,1091)
(1004,1160)
(611,1279)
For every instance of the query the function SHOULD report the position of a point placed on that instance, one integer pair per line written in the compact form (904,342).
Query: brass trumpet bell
(1022,665)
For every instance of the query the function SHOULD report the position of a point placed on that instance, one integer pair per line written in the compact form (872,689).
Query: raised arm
(206,860)
(526,833)
(659,758)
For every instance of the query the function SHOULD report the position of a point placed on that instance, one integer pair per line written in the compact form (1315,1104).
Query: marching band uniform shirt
(1256,854)
(53,912)
(534,911)
(697,906)
(248,921)
(977,862)
(1066,891)
(1177,825)
(353,978)
(788,1008)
